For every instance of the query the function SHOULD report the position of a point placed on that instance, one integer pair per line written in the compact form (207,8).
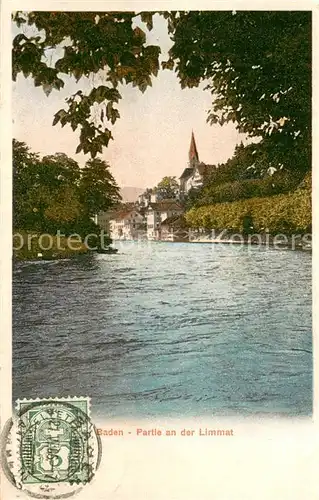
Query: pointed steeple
(193,153)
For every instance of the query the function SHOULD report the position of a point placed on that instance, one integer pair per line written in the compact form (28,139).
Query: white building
(156,213)
(143,199)
(127,225)
(146,198)
(103,219)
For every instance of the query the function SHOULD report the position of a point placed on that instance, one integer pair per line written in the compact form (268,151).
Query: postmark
(51,448)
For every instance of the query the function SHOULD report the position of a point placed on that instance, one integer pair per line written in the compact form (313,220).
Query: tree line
(53,193)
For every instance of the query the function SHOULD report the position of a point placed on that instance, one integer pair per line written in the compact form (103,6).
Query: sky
(152,136)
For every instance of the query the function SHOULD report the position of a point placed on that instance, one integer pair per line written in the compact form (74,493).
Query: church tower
(193,153)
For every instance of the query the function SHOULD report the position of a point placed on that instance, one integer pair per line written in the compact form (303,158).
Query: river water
(168,329)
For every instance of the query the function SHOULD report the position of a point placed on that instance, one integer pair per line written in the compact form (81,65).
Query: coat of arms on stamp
(54,446)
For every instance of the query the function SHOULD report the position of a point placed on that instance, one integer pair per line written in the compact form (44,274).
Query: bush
(285,213)
(31,247)
(280,182)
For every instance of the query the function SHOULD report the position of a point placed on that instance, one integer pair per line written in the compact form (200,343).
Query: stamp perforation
(53,446)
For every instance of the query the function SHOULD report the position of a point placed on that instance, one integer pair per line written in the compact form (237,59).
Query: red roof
(193,154)
(165,205)
(124,214)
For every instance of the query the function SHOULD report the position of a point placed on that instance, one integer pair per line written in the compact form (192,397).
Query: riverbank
(34,246)
(280,241)
(294,242)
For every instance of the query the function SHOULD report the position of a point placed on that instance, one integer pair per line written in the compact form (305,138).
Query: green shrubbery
(280,182)
(56,248)
(284,213)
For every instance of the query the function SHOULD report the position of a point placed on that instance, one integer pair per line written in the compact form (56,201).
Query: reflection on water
(168,329)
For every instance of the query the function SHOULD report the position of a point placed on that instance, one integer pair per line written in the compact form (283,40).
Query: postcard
(157,178)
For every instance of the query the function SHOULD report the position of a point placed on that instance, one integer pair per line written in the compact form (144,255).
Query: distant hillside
(130,194)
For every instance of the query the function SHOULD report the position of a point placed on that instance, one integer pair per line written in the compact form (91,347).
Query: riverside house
(157,213)
(127,225)
(174,228)
(103,219)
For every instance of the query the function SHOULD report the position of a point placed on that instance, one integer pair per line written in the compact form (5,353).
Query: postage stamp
(54,446)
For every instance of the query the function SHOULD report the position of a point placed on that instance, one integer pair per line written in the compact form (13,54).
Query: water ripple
(168,329)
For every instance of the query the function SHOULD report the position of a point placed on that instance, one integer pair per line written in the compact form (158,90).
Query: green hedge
(285,213)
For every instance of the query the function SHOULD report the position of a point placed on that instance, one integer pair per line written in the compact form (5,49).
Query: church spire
(193,154)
